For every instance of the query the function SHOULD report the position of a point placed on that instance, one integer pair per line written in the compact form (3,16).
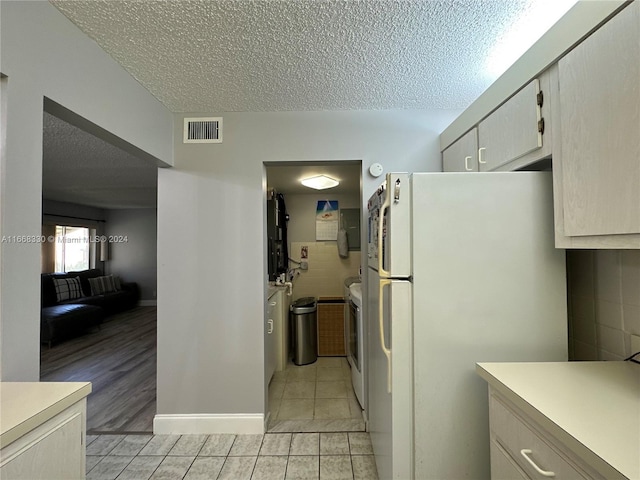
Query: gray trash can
(304,329)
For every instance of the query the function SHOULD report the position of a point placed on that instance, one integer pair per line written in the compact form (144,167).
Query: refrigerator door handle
(385,205)
(387,352)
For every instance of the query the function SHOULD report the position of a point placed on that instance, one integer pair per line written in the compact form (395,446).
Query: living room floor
(120,362)
(273,456)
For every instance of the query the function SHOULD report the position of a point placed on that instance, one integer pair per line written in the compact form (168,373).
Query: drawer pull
(525,453)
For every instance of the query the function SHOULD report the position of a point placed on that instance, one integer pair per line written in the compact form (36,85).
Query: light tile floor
(273,456)
(314,398)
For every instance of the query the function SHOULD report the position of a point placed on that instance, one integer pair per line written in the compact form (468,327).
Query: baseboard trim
(147,303)
(197,423)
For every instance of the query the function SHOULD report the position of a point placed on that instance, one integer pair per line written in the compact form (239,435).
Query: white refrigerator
(462,269)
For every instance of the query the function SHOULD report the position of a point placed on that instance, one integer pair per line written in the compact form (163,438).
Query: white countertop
(27,405)
(592,407)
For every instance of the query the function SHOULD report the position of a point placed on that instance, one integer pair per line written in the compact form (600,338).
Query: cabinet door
(58,454)
(271,338)
(462,156)
(512,130)
(281,330)
(599,101)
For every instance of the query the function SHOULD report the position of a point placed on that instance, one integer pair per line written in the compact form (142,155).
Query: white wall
(44,55)
(604,303)
(133,253)
(211,228)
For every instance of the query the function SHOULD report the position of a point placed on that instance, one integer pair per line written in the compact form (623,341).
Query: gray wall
(134,258)
(211,229)
(44,55)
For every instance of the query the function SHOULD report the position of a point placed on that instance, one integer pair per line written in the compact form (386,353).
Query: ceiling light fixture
(320,182)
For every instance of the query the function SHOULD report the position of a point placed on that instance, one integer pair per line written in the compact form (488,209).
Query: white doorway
(319,396)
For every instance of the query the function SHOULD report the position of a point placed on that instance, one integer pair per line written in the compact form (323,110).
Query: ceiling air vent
(203,130)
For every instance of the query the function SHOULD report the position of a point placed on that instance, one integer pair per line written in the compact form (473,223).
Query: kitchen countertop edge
(61,395)
(598,460)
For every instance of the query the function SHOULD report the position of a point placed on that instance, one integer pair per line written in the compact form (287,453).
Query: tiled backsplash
(604,303)
(326,272)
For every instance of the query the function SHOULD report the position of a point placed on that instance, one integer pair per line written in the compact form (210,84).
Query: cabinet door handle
(525,453)
(270,323)
(480,150)
(273,304)
(466,164)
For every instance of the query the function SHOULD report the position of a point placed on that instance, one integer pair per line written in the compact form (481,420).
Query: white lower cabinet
(277,332)
(282,328)
(520,448)
(54,450)
(271,335)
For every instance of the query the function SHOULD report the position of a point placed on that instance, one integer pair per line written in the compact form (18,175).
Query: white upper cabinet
(462,156)
(582,112)
(513,136)
(597,142)
(513,130)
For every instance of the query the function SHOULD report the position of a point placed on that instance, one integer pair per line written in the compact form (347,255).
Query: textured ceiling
(78,167)
(239,55)
(284,55)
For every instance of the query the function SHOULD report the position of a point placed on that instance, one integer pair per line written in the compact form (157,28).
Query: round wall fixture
(376,170)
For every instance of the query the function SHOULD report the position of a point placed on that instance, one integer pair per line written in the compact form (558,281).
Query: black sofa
(69,317)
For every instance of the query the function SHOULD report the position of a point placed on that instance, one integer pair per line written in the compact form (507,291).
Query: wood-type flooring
(120,362)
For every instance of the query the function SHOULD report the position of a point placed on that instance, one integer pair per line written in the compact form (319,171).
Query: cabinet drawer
(521,442)
(503,466)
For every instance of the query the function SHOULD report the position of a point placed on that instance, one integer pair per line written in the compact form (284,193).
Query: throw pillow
(67,288)
(102,285)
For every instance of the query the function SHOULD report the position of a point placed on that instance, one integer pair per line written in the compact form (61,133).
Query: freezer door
(390,407)
(389,228)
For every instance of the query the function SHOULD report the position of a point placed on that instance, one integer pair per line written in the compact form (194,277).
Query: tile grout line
(288,456)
